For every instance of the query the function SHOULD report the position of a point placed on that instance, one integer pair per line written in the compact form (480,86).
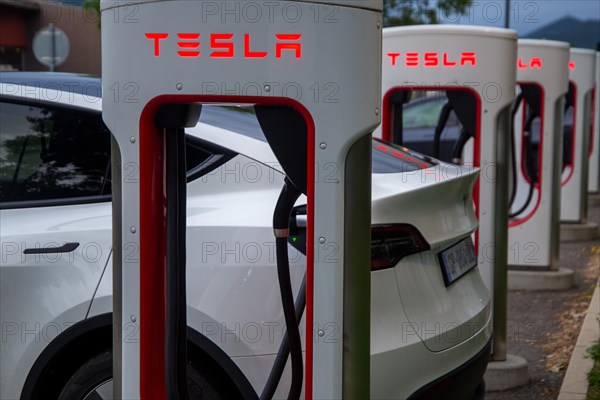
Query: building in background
(21,19)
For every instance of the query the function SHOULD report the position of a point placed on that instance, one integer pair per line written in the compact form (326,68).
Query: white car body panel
(47,292)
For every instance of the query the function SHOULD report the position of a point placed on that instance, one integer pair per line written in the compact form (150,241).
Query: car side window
(49,153)
(52,156)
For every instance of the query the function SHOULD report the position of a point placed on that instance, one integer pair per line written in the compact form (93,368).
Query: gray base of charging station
(579,232)
(508,374)
(562,279)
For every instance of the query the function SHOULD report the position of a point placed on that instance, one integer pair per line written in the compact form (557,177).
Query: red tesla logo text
(535,62)
(432,59)
(572,65)
(223,45)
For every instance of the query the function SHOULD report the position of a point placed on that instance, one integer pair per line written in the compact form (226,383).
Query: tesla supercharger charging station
(573,207)
(475,67)
(534,226)
(594,177)
(161,60)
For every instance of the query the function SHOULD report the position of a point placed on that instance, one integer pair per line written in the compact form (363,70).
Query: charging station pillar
(294,55)
(534,233)
(464,59)
(573,207)
(594,177)
(474,66)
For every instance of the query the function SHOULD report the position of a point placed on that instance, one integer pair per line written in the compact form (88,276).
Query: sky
(525,15)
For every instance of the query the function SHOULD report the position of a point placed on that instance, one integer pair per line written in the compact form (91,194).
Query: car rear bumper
(463,383)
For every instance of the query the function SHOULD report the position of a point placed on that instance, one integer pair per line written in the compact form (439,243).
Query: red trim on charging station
(152,256)
(573,133)
(153,237)
(538,185)
(386,134)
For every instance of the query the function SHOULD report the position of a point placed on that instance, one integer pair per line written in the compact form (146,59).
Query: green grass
(594,375)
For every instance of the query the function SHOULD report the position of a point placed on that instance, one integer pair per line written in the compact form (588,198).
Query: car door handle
(65,248)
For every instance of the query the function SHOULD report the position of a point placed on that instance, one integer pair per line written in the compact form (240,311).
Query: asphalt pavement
(543,325)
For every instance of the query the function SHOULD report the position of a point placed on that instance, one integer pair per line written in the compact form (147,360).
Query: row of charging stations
(511,121)
(536,151)
(509,98)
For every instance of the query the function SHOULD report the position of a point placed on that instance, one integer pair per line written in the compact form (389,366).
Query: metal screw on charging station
(267,88)
(378,24)
(132,139)
(321,332)
(179,86)
(132,229)
(323,146)
(322,240)
(133,318)
(377,111)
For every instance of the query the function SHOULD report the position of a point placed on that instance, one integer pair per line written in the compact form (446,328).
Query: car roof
(86,85)
(230,126)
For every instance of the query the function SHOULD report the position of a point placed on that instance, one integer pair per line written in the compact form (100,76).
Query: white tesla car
(430,313)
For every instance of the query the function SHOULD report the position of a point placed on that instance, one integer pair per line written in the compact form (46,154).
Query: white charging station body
(582,75)
(167,52)
(594,176)
(533,236)
(478,60)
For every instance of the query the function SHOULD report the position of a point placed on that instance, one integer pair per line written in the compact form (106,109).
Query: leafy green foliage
(93,6)
(594,375)
(414,12)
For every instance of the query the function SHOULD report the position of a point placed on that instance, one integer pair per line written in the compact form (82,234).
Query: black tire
(98,370)
(89,376)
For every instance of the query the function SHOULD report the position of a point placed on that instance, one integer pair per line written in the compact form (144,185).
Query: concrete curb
(578,232)
(562,279)
(575,385)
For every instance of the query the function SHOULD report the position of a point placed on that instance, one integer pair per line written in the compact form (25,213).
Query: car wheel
(93,381)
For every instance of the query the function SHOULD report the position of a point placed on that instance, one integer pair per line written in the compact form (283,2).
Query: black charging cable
(460,145)
(439,128)
(513,149)
(284,348)
(296,223)
(291,342)
(176,321)
(530,168)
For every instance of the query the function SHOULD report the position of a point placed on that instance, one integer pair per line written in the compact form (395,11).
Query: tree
(93,6)
(414,12)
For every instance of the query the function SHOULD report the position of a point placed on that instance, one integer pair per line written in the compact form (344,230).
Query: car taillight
(391,243)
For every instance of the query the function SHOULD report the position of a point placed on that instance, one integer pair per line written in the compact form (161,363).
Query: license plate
(457,260)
